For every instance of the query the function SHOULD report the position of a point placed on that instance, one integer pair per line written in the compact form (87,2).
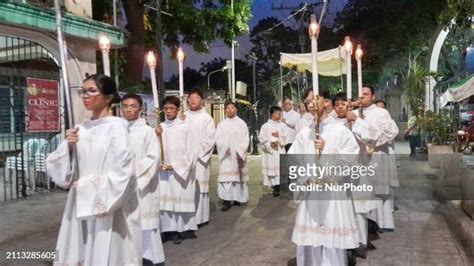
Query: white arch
(434,59)
(49,42)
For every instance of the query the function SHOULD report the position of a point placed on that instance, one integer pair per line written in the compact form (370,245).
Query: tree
(192,22)
(389,31)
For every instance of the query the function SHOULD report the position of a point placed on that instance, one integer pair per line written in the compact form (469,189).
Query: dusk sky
(260,10)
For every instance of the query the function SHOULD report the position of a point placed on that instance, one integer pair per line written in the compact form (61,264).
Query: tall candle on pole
(151,61)
(180,57)
(358,56)
(313,34)
(104,44)
(348,47)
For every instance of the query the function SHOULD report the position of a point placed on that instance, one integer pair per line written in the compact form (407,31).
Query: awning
(43,19)
(330,62)
(458,91)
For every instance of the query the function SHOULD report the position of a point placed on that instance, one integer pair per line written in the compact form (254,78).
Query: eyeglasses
(89,92)
(126,107)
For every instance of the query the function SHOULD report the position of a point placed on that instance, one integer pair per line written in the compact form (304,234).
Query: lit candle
(348,46)
(104,44)
(358,56)
(180,57)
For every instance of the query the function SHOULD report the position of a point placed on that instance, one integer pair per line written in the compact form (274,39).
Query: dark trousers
(414,142)
(288,146)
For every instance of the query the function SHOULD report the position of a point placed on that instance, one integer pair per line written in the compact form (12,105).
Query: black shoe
(176,238)
(370,246)
(165,236)
(236,203)
(276,191)
(188,234)
(372,227)
(226,205)
(385,230)
(361,252)
(351,257)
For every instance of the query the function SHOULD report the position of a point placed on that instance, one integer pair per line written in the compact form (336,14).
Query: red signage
(42,102)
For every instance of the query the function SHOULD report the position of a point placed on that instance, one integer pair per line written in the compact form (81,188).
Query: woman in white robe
(272,137)
(232,141)
(326,227)
(146,150)
(177,186)
(101,221)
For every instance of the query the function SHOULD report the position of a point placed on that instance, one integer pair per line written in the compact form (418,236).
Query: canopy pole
(281,86)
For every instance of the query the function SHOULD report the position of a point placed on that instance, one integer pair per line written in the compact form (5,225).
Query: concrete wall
(81,8)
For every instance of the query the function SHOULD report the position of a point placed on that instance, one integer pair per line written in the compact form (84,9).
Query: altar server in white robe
(202,129)
(177,186)
(326,227)
(101,221)
(232,141)
(290,118)
(362,203)
(394,180)
(382,132)
(146,149)
(272,137)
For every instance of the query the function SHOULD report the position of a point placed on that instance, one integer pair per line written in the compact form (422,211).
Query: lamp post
(358,56)
(212,72)
(314,34)
(180,56)
(348,47)
(104,44)
(232,56)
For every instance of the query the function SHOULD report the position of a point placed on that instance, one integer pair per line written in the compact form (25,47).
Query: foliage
(459,11)
(388,31)
(438,127)
(414,86)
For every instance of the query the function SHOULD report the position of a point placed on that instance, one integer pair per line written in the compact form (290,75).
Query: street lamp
(314,34)
(180,56)
(212,72)
(104,44)
(358,56)
(348,47)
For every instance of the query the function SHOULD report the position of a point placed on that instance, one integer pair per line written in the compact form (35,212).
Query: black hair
(381,101)
(133,96)
(341,96)
(372,90)
(274,109)
(196,91)
(323,92)
(172,100)
(306,93)
(106,85)
(230,103)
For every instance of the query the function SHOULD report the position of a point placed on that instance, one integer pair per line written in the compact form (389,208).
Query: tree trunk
(136,45)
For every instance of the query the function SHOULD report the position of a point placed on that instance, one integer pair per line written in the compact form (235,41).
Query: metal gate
(23,153)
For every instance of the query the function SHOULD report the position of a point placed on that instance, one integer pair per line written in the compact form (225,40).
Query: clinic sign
(42,103)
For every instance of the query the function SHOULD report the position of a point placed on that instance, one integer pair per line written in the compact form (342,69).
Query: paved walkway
(260,232)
